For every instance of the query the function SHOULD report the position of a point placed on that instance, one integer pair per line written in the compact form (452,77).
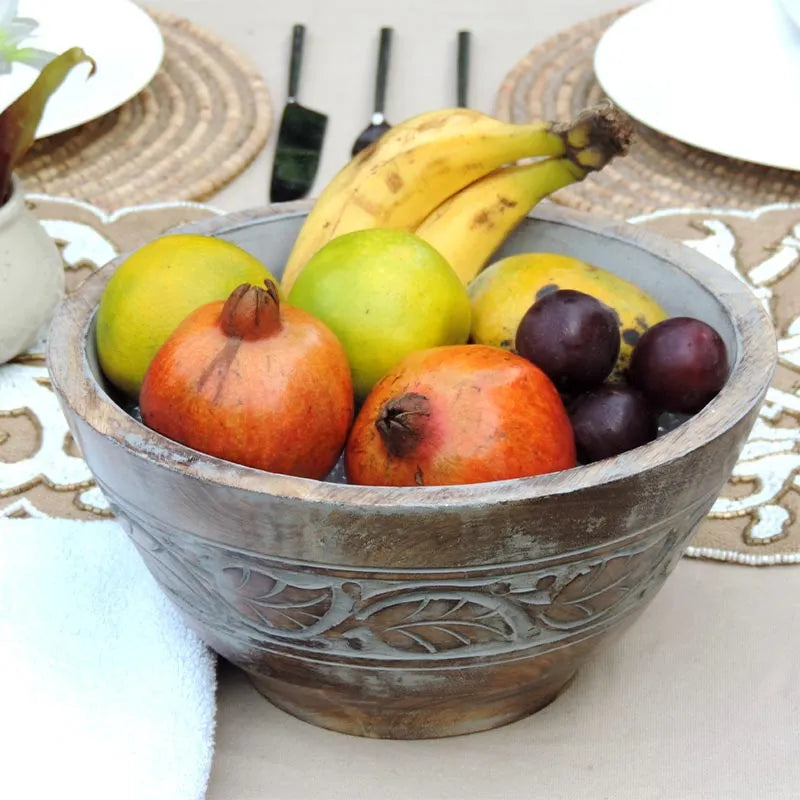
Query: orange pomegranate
(459,414)
(254,382)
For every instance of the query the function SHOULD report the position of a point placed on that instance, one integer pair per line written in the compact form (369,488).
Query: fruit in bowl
(459,414)
(572,336)
(503,292)
(238,379)
(681,363)
(421,611)
(376,281)
(385,293)
(155,289)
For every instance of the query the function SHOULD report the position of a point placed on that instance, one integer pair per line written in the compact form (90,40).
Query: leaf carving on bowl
(273,603)
(435,622)
(168,562)
(597,590)
(241,597)
(570,599)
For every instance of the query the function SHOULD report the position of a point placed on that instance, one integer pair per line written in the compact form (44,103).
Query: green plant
(19,121)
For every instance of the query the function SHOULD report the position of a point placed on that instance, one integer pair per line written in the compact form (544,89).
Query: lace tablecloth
(754,521)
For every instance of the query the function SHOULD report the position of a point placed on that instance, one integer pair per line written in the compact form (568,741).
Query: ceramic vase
(31,276)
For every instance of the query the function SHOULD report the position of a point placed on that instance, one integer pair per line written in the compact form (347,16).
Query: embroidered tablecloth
(753,522)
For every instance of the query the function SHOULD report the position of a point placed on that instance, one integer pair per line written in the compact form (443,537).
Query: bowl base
(389,718)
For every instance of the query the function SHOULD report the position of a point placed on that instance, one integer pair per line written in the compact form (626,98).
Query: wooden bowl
(426,611)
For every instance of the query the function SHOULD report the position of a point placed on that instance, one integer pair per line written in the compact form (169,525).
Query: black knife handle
(298,32)
(463,68)
(384,51)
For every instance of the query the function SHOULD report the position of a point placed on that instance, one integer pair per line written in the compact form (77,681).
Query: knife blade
(300,136)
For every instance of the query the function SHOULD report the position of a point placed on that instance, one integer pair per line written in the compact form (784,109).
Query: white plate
(723,75)
(125,43)
(792,8)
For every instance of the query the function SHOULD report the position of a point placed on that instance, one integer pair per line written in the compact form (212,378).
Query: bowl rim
(749,379)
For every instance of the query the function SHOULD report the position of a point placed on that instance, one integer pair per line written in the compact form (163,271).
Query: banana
(413,168)
(317,226)
(469,226)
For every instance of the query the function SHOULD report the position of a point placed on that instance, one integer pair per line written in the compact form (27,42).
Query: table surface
(340,53)
(700,698)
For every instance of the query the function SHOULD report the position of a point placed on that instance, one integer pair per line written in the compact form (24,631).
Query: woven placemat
(202,119)
(556,81)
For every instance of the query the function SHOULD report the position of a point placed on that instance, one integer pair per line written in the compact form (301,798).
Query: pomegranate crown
(251,312)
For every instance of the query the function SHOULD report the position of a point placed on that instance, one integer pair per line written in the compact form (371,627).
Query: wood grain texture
(419,612)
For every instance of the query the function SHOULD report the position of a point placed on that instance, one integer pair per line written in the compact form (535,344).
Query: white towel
(104,692)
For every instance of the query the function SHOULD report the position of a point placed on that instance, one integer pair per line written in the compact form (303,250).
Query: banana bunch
(452,176)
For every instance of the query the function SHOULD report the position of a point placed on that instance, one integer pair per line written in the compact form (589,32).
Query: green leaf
(19,121)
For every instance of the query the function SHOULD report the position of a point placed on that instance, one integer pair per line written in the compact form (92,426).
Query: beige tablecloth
(699,700)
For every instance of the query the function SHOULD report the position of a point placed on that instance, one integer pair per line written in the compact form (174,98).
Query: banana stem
(599,134)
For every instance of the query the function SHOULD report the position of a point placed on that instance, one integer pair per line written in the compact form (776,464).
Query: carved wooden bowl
(426,611)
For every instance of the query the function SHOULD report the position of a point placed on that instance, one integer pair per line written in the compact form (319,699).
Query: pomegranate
(254,382)
(459,414)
